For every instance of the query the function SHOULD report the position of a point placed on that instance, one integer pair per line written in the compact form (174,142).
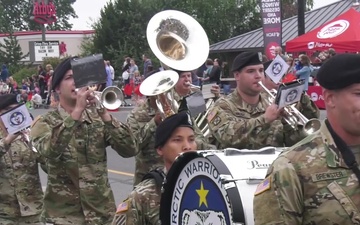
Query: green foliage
(87,46)
(54,61)
(11,53)
(24,73)
(121,30)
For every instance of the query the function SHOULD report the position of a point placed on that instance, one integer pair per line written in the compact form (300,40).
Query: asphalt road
(120,170)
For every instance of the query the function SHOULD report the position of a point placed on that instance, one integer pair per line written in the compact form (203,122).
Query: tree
(17,13)
(290,7)
(121,30)
(11,53)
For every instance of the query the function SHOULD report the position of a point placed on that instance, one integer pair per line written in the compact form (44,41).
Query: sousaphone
(177,40)
(180,43)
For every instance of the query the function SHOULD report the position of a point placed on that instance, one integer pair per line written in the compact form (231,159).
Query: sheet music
(206,91)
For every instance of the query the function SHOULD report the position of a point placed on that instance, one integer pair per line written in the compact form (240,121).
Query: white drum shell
(249,170)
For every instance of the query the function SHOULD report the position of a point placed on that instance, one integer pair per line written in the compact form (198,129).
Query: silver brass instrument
(179,42)
(4,88)
(293,116)
(161,85)
(110,98)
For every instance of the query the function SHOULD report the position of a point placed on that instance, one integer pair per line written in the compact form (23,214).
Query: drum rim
(174,171)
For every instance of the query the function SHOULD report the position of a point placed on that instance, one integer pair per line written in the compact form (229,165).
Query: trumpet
(293,116)
(110,98)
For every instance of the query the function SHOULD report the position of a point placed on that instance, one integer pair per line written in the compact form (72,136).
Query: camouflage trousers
(25,220)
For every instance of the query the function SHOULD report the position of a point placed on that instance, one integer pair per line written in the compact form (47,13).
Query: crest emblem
(276,68)
(16,118)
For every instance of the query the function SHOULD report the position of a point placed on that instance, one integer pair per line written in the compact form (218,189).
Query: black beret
(339,71)
(246,59)
(168,126)
(9,99)
(60,71)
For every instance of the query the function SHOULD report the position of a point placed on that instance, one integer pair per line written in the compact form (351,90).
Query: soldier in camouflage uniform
(173,136)
(73,138)
(243,119)
(20,188)
(316,181)
(305,106)
(144,119)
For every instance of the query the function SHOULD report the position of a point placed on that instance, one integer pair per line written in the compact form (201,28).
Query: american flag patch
(124,206)
(211,115)
(263,186)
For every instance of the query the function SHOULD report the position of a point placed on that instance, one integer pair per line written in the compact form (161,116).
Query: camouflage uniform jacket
(236,124)
(141,207)
(20,188)
(307,107)
(78,191)
(309,184)
(142,123)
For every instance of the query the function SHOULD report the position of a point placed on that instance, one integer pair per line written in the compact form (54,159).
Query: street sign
(43,49)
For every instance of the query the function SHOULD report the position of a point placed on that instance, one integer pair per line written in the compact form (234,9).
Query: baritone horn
(293,116)
(160,85)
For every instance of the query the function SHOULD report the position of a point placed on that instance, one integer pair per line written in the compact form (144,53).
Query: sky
(88,13)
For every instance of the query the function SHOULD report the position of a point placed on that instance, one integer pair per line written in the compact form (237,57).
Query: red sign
(44,13)
(315,93)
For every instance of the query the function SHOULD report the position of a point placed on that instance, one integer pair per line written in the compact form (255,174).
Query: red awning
(341,33)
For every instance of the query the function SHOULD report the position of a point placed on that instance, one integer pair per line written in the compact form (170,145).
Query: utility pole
(301,17)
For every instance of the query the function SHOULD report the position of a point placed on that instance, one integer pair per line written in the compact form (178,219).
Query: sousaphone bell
(177,40)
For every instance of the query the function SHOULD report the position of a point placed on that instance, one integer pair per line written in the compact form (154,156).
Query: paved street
(120,170)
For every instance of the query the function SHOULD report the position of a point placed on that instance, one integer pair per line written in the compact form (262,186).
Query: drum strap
(157,174)
(346,152)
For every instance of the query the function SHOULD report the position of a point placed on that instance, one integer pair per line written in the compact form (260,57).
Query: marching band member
(306,106)
(20,188)
(173,136)
(243,119)
(144,119)
(73,139)
(317,180)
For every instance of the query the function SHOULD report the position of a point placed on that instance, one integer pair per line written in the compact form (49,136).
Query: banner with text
(272,26)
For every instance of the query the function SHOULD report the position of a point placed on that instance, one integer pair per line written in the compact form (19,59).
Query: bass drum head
(193,193)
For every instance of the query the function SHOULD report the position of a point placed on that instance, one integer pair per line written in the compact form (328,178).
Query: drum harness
(158,175)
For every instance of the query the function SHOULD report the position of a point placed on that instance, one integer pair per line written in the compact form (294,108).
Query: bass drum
(214,186)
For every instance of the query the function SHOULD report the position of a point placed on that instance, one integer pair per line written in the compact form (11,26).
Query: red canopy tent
(341,33)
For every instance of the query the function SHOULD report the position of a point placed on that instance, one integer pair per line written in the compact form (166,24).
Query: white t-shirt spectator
(112,71)
(36,98)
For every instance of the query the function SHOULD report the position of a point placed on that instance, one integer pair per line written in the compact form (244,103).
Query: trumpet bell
(312,126)
(159,83)
(177,40)
(111,98)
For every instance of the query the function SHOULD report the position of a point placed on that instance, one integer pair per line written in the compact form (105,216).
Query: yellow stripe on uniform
(121,173)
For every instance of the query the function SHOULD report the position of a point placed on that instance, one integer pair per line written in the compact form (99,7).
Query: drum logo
(199,196)
(16,119)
